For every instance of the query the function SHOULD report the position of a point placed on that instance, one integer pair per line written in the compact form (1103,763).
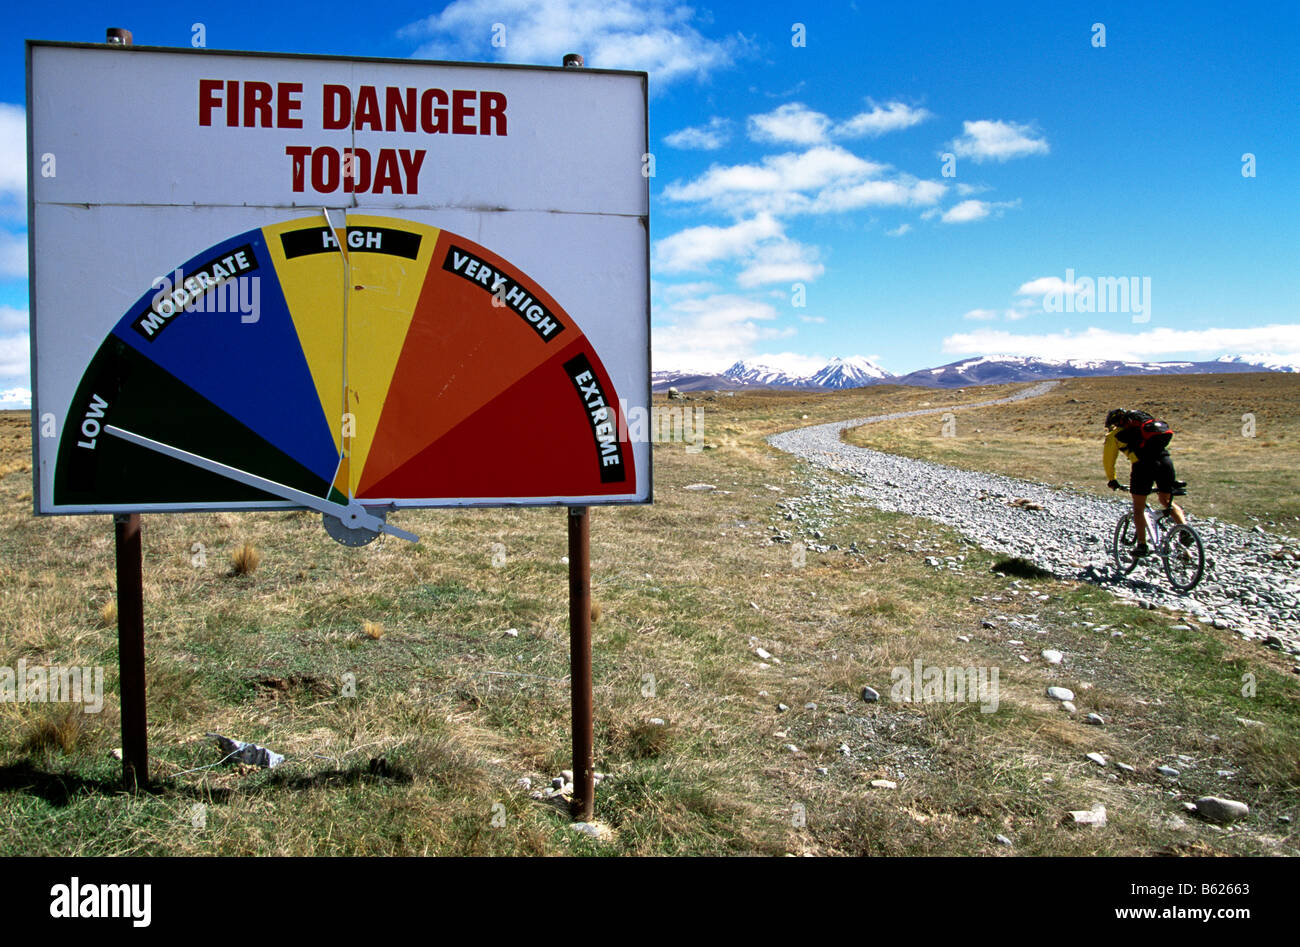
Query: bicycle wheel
(1123,543)
(1184,557)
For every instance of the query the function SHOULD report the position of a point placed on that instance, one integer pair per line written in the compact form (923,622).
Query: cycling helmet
(1115,417)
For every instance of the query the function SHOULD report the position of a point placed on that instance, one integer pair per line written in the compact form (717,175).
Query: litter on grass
(240,752)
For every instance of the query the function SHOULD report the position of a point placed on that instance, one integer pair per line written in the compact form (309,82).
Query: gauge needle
(352,514)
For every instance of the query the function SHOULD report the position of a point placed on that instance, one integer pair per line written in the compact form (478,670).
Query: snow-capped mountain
(999,369)
(856,372)
(849,373)
(1272,363)
(763,376)
(837,373)
(692,381)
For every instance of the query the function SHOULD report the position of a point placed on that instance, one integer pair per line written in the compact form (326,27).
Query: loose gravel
(1252,578)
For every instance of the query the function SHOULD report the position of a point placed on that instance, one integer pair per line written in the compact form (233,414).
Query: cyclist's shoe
(1141,551)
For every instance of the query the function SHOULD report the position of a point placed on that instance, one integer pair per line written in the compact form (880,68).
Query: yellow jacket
(1111,450)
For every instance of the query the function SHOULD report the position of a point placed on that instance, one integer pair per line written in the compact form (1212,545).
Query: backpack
(1153,435)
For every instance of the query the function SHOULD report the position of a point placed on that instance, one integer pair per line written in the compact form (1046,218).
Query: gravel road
(1252,579)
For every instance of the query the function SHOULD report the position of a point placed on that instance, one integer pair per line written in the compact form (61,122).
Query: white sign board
(264,282)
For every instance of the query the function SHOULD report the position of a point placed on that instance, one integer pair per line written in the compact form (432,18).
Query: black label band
(601,416)
(401,243)
(170,301)
(513,294)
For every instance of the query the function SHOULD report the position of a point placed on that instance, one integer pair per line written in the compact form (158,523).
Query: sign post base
(584,783)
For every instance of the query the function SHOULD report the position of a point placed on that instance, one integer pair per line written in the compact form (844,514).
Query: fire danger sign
(335,283)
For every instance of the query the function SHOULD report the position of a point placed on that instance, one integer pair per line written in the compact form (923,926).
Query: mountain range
(857,372)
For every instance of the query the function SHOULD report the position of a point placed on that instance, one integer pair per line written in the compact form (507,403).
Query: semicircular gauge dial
(384,362)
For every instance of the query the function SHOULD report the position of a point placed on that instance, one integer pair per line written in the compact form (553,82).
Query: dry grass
(372,630)
(419,737)
(61,729)
(245,560)
(1057,438)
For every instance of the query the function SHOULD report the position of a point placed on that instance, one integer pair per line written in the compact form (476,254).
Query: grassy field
(1057,439)
(450,712)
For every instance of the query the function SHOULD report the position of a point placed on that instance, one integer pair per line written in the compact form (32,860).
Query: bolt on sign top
(347,285)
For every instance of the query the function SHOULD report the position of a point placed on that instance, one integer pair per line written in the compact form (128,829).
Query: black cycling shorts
(1148,471)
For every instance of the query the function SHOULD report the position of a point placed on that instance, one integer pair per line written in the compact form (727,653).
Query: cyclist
(1145,442)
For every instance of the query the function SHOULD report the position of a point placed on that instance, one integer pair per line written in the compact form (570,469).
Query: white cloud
(1045,285)
(903,190)
(780,261)
(971,210)
(13,319)
(708,137)
(696,247)
(825,179)
(777,183)
(899,230)
(893,116)
(653,35)
(708,333)
(14,398)
(674,291)
(965,212)
(759,244)
(793,123)
(815,320)
(997,141)
(13,255)
(13,152)
(15,359)
(792,363)
(1282,341)
(981,315)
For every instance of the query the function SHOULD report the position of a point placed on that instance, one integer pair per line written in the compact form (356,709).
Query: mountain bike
(1177,544)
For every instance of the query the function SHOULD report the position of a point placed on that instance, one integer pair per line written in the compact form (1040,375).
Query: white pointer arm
(352,515)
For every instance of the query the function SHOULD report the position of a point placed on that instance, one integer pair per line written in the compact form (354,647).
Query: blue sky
(814,172)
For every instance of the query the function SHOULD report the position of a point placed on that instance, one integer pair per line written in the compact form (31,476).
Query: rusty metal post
(584,765)
(130,649)
(584,737)
(130,611)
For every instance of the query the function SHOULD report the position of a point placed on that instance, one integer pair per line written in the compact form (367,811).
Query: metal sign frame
(638,397)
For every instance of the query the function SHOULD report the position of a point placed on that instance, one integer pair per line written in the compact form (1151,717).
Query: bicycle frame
(1159,538)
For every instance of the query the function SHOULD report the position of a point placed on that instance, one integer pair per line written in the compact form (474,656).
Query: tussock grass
(415,744)
(60,729)
(245,560)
